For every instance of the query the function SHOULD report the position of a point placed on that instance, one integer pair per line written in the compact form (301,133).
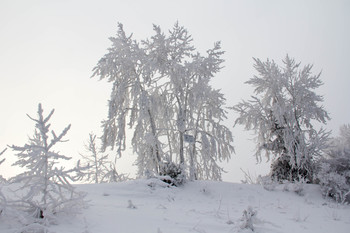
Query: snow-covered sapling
(248,218)
(44,187)
(281,113)
(112,175)
(96,162)
(99,168)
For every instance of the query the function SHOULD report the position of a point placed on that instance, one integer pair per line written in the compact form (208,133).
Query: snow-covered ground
(150,206)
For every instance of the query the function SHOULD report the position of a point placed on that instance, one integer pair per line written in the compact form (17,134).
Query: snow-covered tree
(282,113)
(194,110)
(126,66)
(44,187)
(161,85)
(96,162)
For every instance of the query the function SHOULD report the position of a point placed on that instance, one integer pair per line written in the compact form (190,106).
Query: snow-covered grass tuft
(131,205)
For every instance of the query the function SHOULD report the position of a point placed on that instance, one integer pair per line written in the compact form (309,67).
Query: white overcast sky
(48,49)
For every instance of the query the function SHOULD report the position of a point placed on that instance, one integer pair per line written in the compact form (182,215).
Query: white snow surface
(150,205)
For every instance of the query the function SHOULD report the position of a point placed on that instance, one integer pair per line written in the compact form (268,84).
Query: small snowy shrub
(267,183)
(248,218)
(296,186)
(334,171)
(248,178)
(334,178)
(281,170)
(171,174)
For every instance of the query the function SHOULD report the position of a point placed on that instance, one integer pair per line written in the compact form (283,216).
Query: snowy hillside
(149,206)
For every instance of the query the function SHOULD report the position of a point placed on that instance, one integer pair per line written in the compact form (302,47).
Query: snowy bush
(248,218)
(297,187)
(334,171)
(44,191)
(248,178)
(334,178)
(267,183)
(171,174)
(282,170)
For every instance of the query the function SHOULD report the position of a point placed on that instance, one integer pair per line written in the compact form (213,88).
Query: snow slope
(201,206)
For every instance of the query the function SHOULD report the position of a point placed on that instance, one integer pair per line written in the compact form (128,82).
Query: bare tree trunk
(182,158)
(193,175)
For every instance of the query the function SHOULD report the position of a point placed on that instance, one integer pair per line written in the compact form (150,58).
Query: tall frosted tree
(162,86)
(195,110)
(44,187)
(127,67)
(282,113)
